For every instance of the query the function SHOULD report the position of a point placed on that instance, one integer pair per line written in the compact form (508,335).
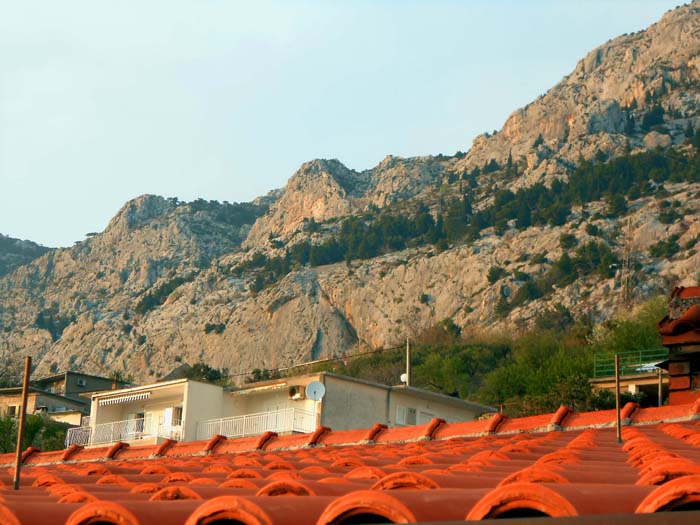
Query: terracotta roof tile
(557,464)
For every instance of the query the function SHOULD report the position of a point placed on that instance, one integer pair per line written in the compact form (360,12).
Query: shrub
(567,241)
(665,249)
(217,328)
(592,230)
(496,273)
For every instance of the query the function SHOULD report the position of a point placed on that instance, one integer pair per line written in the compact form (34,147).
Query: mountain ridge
(235,285)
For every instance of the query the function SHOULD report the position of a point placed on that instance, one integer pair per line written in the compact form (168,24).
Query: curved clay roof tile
(672,495)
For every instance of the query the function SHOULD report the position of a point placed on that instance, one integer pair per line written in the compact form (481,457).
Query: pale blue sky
(101,101)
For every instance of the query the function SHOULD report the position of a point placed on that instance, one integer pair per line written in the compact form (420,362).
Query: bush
(157,296)
(40,431)
(217,328)
(567,241)
(496,273)
(665,249)
(592,230)
(539,258)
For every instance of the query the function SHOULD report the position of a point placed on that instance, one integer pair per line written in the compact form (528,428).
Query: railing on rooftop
(126,430)
(632,362)
(286,420)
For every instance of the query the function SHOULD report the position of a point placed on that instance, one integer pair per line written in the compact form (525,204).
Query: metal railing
(632,362)
(126,430)
(286,420)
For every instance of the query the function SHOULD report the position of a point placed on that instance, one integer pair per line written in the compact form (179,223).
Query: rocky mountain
(606,104)
(584,202)
(15,252)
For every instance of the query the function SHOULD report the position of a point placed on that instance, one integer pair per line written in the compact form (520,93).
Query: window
(405,415)
(12,410)
(82,382)
(177,416)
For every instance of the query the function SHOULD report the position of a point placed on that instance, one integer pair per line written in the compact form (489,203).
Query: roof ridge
(563,420)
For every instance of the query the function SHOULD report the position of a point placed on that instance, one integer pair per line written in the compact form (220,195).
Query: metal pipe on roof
(617,398)
(22,420)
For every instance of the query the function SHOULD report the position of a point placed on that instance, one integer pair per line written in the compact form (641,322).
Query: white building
(187,410)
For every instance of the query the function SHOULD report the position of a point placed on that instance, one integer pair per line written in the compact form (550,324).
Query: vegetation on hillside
(40,431)
(14,253)
(530,373)
(615,182)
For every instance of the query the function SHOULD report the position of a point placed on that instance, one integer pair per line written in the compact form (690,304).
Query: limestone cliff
(16,252)
(158,287)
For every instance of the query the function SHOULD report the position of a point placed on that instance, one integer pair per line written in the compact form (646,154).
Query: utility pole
(626,277)
(617,398)
(408,362)
(22,419)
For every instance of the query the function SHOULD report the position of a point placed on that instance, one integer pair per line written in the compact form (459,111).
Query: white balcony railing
(126,430)
(286,420)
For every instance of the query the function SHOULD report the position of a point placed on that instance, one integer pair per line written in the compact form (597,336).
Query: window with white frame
(405,415)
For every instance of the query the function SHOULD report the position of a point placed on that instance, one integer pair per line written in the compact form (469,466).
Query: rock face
(15,253)
(601,106)
(156,289)
(326,189)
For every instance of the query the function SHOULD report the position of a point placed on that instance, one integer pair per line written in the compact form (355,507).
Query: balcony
(633,362)
(287,420)
(128,430)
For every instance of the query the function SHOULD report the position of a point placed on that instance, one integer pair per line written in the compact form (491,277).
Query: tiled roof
(560,464)
(682,325)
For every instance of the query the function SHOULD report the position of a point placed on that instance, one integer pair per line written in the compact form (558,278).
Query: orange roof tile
(560,464)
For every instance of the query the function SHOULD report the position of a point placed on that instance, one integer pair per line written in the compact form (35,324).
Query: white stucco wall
(202,402)
(351,405)
(427,409)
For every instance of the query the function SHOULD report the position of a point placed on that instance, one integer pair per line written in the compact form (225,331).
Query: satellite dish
(403,378)
(315,390)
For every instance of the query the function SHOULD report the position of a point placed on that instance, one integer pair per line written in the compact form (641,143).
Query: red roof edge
(627,411)
(494,422)
(695,409)
(433,426)
(214,442)
(264,438)
(372,432)
(29,452)
(559,417)
(317,435)
(115,449)
(71,451)
(164,447)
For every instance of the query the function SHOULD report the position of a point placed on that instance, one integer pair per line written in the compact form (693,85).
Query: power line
(308,363)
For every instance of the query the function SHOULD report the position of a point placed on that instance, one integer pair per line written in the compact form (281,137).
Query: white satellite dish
(403,378)
(315,390)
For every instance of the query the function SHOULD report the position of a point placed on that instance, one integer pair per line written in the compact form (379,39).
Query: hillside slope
(341,260)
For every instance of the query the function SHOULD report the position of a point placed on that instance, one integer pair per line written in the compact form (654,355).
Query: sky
(102,101)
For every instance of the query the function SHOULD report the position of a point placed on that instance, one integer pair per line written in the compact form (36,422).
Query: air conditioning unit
(297,392)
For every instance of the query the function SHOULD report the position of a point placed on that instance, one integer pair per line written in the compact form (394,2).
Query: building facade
(187,410)
(55,406)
